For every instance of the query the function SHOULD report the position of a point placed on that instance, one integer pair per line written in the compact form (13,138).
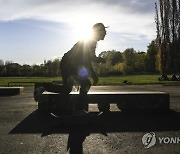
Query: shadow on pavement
(80,127)
(112,122)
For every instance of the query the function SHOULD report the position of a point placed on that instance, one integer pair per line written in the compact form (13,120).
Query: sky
(32,31)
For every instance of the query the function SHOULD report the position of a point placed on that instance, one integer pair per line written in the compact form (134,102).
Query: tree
(168,35)
(139,62)
(151,57)
(129,60)
(37,70)
(56,67)
(13,69)
(1,67)
(112,56)
(26,70)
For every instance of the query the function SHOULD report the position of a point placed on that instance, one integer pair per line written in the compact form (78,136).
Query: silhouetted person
(75,140)
(76,65)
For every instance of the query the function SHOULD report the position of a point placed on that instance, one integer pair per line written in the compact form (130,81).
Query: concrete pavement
(22,130)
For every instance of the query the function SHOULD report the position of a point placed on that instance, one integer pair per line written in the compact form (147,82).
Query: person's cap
(99,26)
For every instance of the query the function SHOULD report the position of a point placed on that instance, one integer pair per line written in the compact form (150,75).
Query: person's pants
(85,85)
(66,88)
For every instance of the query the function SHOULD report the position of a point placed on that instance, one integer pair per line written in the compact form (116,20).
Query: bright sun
(83,32)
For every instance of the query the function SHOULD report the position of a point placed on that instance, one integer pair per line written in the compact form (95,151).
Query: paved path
(22,130)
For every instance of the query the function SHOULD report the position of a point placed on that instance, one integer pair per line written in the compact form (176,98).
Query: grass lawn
(5,80)
(133,79)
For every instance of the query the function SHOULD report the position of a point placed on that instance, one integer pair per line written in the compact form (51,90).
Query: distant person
(76,65)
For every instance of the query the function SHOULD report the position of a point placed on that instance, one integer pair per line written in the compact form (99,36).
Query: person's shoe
(38,92)
(100,113)
(80,113)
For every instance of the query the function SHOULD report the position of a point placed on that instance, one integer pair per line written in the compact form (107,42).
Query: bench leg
(104,107)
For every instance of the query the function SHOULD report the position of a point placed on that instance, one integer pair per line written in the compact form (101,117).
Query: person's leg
(40,87)
(63,105)
(52,87)
(85,85)
(65,90)
(67,77)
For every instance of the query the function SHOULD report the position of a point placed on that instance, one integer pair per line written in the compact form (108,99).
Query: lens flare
(83,72)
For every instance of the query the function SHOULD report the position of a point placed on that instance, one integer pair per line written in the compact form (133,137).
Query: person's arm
(92,73)
(96,59)
(89,67)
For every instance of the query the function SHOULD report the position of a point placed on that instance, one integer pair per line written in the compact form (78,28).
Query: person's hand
(102,60)
(95,79)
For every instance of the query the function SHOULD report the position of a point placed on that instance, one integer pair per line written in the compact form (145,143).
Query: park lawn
(132,79)
(116,80)
(5,80)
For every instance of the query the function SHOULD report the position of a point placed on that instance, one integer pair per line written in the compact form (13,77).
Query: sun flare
(83,32)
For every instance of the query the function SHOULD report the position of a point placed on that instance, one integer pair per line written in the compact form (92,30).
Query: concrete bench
(126,101)
(9,91)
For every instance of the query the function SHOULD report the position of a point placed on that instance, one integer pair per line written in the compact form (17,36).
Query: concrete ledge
(126,101)
(9,91)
